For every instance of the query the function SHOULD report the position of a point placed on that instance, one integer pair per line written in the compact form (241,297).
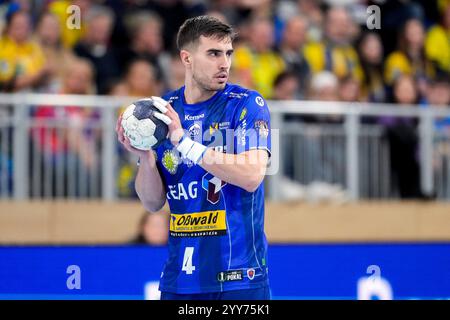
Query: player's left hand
(170,117)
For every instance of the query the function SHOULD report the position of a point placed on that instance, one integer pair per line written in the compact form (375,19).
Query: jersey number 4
(187,260)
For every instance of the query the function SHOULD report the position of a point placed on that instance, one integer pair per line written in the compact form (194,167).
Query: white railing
(360,165)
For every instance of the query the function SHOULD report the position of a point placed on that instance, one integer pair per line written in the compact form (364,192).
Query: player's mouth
(222,76)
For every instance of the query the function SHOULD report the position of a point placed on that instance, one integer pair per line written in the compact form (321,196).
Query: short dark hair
(206,26)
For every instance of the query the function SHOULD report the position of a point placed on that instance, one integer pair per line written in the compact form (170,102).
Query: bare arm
(245,170)
(149,186)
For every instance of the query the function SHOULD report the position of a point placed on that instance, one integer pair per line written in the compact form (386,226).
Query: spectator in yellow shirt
(22,63)
(335,53)
(48,35)
(256,64)
(291,50)
(370,50)
(72,29)
(409,59)
(437,43)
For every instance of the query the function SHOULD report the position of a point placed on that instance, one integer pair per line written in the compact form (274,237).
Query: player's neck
(194,94)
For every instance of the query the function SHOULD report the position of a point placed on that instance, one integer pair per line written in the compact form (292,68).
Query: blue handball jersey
(216,230)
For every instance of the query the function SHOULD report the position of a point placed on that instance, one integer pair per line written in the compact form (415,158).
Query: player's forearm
(244,170)
(149,186)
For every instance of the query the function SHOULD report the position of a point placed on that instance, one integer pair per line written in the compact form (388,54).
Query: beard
(208,84)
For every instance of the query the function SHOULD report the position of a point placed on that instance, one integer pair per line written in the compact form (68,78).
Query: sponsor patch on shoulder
(259,101)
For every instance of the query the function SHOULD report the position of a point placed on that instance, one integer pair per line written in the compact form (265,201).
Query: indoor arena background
(358,188)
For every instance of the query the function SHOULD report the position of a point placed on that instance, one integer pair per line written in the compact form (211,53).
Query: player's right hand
(170,117)
(123,139)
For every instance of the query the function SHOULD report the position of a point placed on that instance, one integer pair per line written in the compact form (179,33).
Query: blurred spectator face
(338,25)
(439,94)
(294,35)
(261,35)
(324,86)
(49,30)
(99,29)
(84,5)
(155,229)
(414,34)
(371,49)
(78,78)
(149,37)
(349,90)
(286,89)
(311,8)
(20,27)
(307,5)
(141,78)
(405,90)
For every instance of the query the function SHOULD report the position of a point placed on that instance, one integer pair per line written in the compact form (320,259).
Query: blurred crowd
(286,49)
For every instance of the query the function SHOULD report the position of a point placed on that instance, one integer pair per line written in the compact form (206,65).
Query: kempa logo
(193,118)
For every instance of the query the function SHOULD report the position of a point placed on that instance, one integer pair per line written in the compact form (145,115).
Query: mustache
(222,73)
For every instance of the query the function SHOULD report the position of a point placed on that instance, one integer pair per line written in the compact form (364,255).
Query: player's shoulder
(249,103)
(244,95)
(173,95)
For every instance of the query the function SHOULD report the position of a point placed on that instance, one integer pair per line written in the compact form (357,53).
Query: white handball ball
(144,130)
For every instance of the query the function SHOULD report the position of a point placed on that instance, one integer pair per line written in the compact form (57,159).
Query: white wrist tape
(190,149)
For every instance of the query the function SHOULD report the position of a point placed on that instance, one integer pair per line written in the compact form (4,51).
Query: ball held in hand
(142,123)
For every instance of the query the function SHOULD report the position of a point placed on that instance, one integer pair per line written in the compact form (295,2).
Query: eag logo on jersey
(198,224)
(182,192)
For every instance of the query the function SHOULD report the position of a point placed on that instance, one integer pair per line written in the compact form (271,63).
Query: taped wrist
(190,149)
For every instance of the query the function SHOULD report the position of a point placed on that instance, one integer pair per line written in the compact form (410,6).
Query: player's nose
(225,62)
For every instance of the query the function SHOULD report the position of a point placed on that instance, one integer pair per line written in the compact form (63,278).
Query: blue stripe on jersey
(217,240)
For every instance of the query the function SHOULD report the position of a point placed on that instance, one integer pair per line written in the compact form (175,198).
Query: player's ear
(185,57)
